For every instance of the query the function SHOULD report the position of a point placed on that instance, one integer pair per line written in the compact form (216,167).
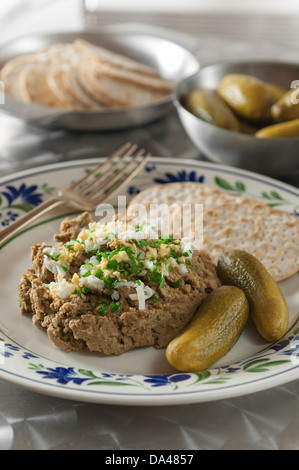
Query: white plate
(143,376)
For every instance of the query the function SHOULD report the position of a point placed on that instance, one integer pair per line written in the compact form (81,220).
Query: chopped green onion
(103,310)
(175,284)
(87,274)
(114,252)
(112,264)
(132,261)
(77,292)
(115,307)
(99,274)
(54,254)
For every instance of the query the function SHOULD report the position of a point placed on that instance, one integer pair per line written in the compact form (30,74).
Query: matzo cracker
(231,222)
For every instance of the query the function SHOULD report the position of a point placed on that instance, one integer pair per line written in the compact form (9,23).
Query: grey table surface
(267,420)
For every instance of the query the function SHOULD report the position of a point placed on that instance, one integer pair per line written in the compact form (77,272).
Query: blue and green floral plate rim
(41,368)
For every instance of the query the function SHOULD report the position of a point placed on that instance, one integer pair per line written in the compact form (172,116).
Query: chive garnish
(87,274)
(77,292)
(175,284)
(103,310)
(112,264)
(115,306)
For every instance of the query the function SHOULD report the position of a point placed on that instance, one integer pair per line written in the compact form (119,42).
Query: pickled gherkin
(277,90)
(284,129)
(213,331)
(287,107)
(249,97)
(207,105)
(268,307)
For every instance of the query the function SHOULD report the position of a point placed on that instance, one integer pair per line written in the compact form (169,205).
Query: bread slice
(231,222)
(25,77)
(102,54)
(82,76)
(11,77)
(86,76)
(35,88)
(71,82)
(125,91)
(139,79)
(57,86)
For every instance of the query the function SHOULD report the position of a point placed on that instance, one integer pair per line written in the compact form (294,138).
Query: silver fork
(98,186)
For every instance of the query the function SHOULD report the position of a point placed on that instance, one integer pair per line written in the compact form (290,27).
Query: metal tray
(173,62)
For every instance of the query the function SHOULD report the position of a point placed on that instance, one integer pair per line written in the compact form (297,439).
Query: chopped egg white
(117,244)
(61,289)
(92,282)
(115,296)
(55,266)
(143,293)
(182,268)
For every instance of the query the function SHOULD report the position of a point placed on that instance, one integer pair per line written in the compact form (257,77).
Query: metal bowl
(273,157)
(172,61)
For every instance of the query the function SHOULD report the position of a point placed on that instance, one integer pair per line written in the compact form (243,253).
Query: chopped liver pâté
(112,287)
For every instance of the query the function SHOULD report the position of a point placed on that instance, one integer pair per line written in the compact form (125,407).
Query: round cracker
(182,193)
(82,76)
(231,222)
(267,233)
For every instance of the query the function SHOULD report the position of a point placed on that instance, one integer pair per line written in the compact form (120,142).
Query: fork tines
(113,173)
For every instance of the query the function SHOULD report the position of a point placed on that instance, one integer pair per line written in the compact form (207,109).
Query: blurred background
(213,30)
(268,20)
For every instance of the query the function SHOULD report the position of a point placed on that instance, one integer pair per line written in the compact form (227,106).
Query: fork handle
(24,221)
